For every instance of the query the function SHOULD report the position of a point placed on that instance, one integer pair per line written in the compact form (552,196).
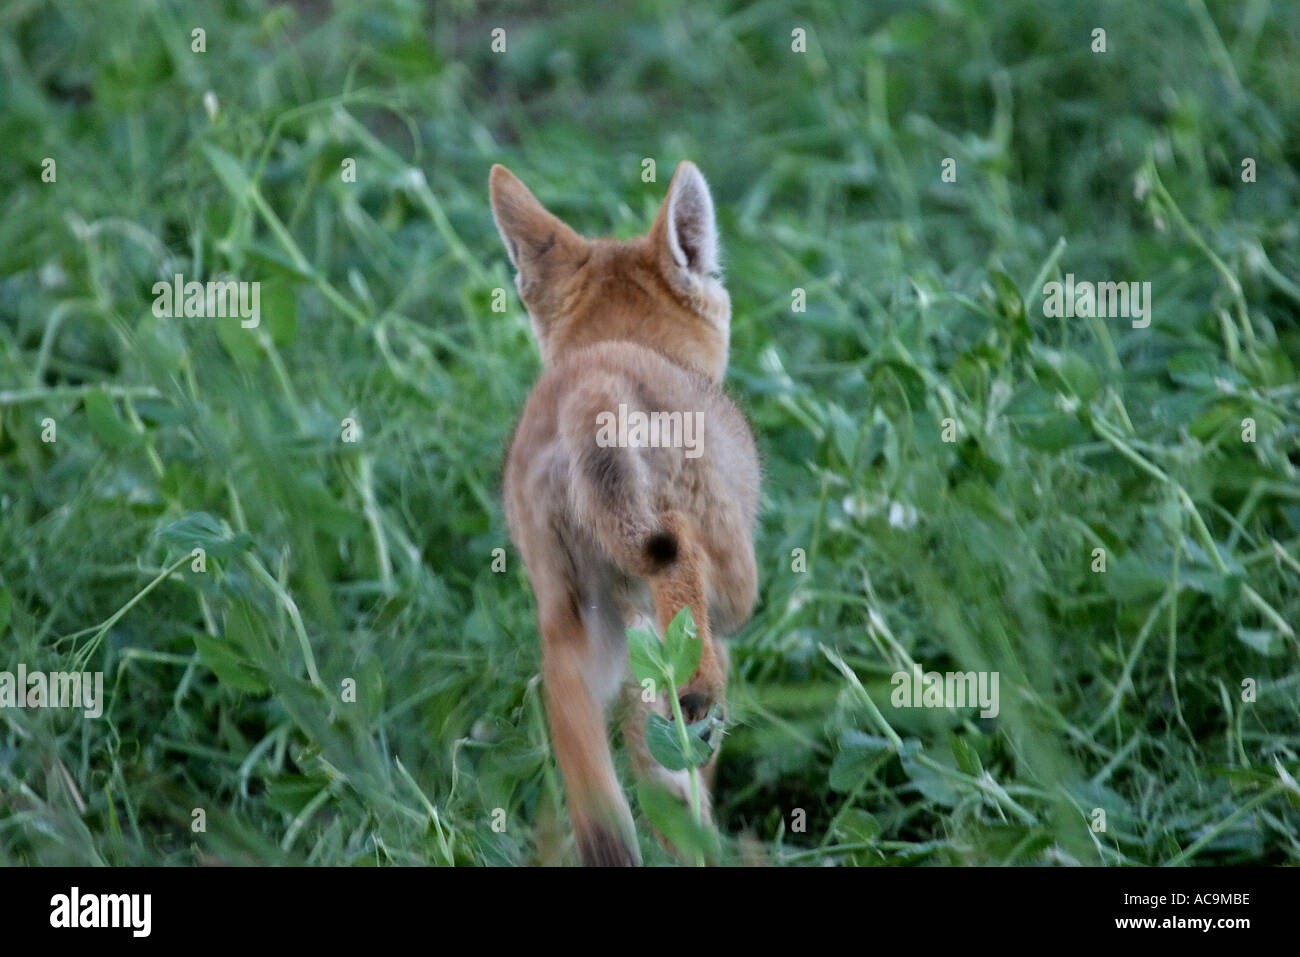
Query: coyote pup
(616,534)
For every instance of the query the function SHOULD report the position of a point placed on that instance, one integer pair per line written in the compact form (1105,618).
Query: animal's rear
(615,525)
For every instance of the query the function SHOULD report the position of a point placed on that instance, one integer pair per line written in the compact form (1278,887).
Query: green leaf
(228,666)
(1010,304)
(858,756)
(665,744)
(1040,423)
(930,783)
(1215,418)
(975,458)
(682,647)
(1079,376)
(899,388)
(1264,640)
(672,818)
(246,631)
(844,430)
(201,530)
(1006,295)
(291,793)
(1203,370)
(279,312)
(647,656)
(6,605)
(228,169)
(968,759)
(1051,432)
(159,346)
(330,514)
(856,825)
(240,342)
(1276,368)
(1012,843)
(105,423)
(877,439)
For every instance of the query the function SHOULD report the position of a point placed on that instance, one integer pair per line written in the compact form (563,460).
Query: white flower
(901,515)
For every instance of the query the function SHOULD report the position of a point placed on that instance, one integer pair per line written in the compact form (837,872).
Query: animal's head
(660,290)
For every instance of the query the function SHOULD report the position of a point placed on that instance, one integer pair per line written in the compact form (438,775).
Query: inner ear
(512,250)
(689,248)
(690,229)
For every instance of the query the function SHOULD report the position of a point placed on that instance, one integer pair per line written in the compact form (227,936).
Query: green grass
(372,561)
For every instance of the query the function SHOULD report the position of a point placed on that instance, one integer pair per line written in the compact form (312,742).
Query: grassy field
(1163,692)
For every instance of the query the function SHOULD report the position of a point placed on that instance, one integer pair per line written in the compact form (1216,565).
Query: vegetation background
(1120,691)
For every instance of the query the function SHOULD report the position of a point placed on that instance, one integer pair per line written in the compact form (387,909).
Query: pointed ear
(531,234)
(685,231)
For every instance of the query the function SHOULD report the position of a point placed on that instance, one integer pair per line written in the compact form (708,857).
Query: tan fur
(611,536)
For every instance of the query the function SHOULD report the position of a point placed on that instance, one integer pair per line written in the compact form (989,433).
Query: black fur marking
(661,548)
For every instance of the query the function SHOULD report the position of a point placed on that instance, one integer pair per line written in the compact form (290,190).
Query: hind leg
(675,587)
(681,584)
(634,712)
(602,821)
